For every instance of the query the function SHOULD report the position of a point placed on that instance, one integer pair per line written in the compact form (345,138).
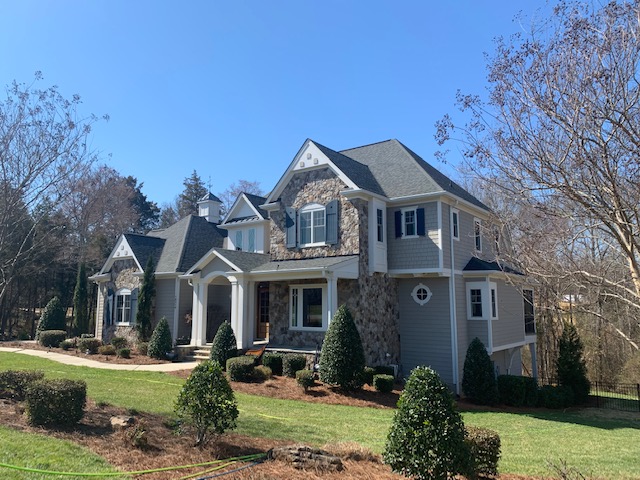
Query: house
(374,227)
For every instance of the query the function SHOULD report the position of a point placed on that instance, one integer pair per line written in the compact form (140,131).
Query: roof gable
(246,208)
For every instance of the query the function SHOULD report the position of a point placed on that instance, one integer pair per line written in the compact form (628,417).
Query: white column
(332,296)
(176,310)
(199,313)
(534,360)
(250,326)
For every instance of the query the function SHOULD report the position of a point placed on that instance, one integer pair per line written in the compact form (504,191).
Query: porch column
(176,310)
(199,313)
(332,296)
(534,360)
(238,310)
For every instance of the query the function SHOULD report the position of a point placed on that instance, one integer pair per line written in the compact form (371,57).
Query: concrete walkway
(87,362)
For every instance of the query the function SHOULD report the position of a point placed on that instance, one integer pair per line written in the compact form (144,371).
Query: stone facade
(316,186)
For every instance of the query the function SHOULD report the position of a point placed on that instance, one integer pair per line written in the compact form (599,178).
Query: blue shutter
(290,226)
(134,305)
(398,217)
(331,212)
(420,221)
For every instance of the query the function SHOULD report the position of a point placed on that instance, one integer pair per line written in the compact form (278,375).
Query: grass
(46,453)
(598,444)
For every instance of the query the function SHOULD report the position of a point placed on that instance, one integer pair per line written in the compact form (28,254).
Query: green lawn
(598,444)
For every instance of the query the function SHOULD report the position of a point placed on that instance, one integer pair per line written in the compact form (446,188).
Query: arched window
(122,310)
(312,224)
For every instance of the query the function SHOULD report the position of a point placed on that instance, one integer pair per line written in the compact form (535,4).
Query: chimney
(209,208)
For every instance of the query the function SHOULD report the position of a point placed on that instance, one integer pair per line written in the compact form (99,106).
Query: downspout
(452,310)
(487,294)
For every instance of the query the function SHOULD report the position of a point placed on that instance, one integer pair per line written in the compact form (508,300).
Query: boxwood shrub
(56,402)
(273,360)
(484,452)
(517,391)
(16,382)
(90,345)
(305,378)
(240,369)
(67,344)
(124,353)
(107,350)
(383,383)
(51,338)
(367,375)
(292,362)
(119,342)
(552,396)
(262,373)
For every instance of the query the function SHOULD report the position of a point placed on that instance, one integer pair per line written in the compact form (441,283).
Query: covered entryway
(218,306)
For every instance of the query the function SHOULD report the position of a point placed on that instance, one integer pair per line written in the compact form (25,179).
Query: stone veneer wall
(315,186)
(122,276)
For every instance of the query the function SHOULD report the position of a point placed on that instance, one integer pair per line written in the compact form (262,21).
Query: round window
(421,294)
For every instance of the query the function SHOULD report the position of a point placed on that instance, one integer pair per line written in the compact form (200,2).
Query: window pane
(410,222)
(305,227)
(252,240)
(312,307)
(318,226)
(478,238)
(239,240)
(380,226)
(476,303)
(456,233)
(494,306)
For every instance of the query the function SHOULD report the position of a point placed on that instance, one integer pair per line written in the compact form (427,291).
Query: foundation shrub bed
(305,379)
(273,360)
(123,353)
(142,348)
(262,373)
(517,391)
(292,362)
(383,383)
(107,350)
(90,345)
(240,369)
(16,382)
(56,402)
(484,452)
(119,342)
(67,345)
(51,338)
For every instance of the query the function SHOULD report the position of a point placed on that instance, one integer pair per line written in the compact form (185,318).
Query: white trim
(500,348)
(485,287)
(403,222)
(477,234)
(416,298)
(453,319)
(426,197)
(300,288)
(312,209)
(419,271)
(457,223)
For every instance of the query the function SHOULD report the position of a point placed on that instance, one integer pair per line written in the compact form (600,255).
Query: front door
(262,322)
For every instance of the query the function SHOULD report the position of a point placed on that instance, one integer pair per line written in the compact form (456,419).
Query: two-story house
(375,227)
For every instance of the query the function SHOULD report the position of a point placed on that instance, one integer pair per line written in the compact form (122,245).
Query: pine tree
(478,380)
(81,303)
(224,345)
(570,366)
(145,300)
(194,190)
(342,359)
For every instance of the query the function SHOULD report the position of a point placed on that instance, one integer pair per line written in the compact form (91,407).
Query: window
(421,294)
(409,224)
(455,224)
(494,304)
(380,224)
(476,302)
(477,232)
(312,225)
(122,312)
(482,300)
(307,307)
(529,316)
(252,240)
(239,240)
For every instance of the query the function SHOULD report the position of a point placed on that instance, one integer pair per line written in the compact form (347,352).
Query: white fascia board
(207,258)
(270,207)
(364,194)
(444,196)
(419,272)
(250,223)
(122,242)
(493,274)
(99,277)
(345,269)
(500,348)
(241,199)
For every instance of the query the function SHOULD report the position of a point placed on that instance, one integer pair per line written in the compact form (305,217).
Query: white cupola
(209,208)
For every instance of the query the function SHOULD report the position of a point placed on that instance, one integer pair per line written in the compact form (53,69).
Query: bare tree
(232,192)
(43,148)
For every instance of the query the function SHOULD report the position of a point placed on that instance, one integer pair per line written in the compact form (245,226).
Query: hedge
(56,402)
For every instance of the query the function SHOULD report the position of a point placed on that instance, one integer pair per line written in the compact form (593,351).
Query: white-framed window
(455,224)
(122,310)
(529,313)
(380,224)
(482,300)
(238,240)
(477,234)
(307,307)
(409,223)
(421,294)
(312,225)
(251,247)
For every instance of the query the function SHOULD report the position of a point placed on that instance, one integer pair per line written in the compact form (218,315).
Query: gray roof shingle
(144,247)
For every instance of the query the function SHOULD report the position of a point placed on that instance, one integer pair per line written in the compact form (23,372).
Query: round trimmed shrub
(383,383)
(273,360)
(16,382)
(161,342)
(426,440)
(53,317)
(107,350)
(124,353)
(89,345)
(240,369)
(305,378)
(56,402)
(52,338)
(262,373)
(342,356)
(292,362)
(367,375)
(206,402)
(478,378)
(119,342)
(224,345)
(484,452)
(67,345)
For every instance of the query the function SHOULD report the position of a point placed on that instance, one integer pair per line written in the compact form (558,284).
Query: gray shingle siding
(419,252)
(165,299)
(509,328)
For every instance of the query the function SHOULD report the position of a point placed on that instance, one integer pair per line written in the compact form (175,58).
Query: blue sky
(232,89)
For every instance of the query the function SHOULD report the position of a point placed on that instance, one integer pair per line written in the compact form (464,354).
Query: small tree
(426,440)
(342,357)
(570,366)
(81,303)
(224,345)
(161,342)
(145,300)
(478,380)
(206,402)
(53,317)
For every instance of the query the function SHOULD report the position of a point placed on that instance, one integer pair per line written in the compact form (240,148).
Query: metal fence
(616,396)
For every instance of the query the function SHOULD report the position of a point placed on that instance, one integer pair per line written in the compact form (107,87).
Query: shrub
(51,338)
(273,360)
(426,440)
(517,391)
(16,382)
(119,342)
(385,370)
(123,353)
(342,355)
(484,452)
(23,335)
(107,350)
(367,375)
(56,402)
(383,383)
(206,402)
(145,300)
(224,345)
(161,342)
(142,347)
(570,366)
(551,396)
(262,373)
(53,317)
(67,344)
(90,345)
(478,380)
(240,369)
(292,362)
(305,378)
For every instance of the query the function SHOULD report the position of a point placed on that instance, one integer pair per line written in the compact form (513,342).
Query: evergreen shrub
(426,440)
(56,402)
(262,373)
(53,317)
(367,375)
(555,396)
(571,368)
(273,360)
(292,362)
(484,452)
(478,379)
(161,342)
(305,378)
(16,382)
(90,345)
(142,348)
(119,342)
(67,344)
(107,350)
(52,338)
(123,353)
(518,391)
(224,345)
(342,359)
(383,383)
(240,369)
